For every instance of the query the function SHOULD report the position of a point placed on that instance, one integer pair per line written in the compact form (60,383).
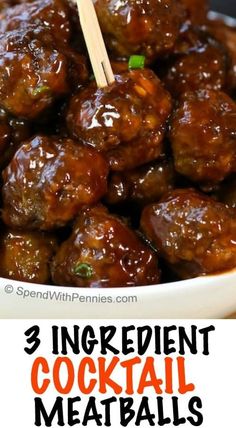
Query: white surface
(206,297)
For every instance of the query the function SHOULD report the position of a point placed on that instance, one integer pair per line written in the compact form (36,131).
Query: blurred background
(225,6)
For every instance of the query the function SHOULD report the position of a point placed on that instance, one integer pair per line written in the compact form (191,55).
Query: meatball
(26,256)
(149,28)
(203,136)
(127,119)
(103,252)
(197,10)
(46,18)
(49,180)
(226,35)
(192,232)
(200,62)
(142,185)
(27,94)
(37,64)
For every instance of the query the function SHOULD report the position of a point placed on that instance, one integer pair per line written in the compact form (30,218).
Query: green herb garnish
(40,90)
(137,61)
(84,270)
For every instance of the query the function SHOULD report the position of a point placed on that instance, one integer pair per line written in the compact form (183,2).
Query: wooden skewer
(95,44)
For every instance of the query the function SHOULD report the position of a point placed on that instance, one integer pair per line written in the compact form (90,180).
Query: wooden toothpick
(95,44)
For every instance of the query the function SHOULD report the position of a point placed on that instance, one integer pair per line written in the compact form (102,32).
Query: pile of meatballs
(133,184)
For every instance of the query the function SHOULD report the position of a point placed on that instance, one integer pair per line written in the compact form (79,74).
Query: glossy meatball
(203,136)
(49,180)
(200,62)
(144,27)
(54,22)
(27,94)
(142,185)
(37,64)
(192,232)
(46,18)
(226,35)
(127,120)
(26,256)
(103,252)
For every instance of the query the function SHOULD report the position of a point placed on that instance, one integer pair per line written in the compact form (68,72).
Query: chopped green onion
(40,90)
(84,270)
(137,61)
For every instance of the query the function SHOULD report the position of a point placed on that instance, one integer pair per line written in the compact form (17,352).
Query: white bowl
(205,297)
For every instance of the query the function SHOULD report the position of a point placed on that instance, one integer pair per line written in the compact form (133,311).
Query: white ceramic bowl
(205,297)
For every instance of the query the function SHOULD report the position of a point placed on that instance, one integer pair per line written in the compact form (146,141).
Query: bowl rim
(166,288)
